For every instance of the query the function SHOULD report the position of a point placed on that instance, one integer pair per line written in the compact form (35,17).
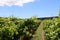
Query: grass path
(39,33)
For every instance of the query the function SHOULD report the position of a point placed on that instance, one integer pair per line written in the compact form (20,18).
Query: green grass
(39,34)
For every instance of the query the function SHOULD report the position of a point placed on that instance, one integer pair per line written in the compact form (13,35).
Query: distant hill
(48,17)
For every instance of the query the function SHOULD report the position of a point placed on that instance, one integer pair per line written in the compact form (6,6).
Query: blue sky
(39,8)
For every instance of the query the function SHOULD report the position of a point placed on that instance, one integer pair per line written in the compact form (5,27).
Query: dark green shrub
(52,29)
(12,28)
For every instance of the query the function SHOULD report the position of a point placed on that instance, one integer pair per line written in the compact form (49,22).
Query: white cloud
(14,2)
